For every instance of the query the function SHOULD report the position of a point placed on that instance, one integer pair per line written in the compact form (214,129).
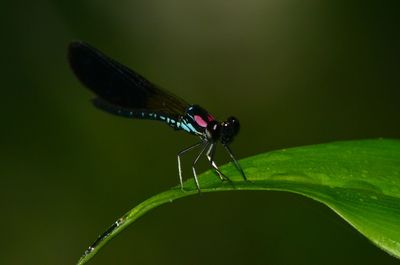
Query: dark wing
(118,87)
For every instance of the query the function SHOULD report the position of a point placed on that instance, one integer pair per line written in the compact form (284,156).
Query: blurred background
(293,72)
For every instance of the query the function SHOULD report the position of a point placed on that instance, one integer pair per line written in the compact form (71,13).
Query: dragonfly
(123,92)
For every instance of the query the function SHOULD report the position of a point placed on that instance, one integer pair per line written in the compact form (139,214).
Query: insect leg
(194,164)
(179,160)
(237,165)
(210,156)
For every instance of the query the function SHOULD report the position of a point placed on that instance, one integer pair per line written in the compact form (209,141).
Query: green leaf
(359,180)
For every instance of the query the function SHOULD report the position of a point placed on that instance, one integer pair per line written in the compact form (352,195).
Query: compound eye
(234,124)
(229,129)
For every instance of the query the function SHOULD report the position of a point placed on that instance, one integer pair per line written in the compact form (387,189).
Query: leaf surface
(359,180)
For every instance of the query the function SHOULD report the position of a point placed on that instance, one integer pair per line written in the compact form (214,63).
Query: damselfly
(123,92)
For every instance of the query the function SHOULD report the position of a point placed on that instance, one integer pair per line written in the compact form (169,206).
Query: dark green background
(294,72)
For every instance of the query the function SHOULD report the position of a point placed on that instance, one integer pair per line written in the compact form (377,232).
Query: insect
(123,92)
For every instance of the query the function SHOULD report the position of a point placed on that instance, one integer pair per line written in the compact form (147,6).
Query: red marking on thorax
(210,117)
(199,120)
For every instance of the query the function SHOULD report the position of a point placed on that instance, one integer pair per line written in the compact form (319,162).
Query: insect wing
(120,87)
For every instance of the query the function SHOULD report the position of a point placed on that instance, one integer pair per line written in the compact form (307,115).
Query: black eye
(229,129)
(234,124)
